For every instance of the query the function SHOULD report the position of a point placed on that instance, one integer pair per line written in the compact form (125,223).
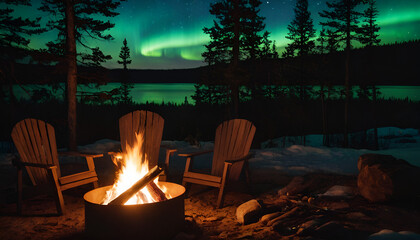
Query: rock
(338,191)
(370,159)
(248,212)
(266,218)
(387,180)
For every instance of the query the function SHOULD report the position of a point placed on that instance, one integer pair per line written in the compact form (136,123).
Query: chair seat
(77,179)
(203,179)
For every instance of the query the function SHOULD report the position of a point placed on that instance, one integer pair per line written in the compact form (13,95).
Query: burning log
(125,196)
(157,194)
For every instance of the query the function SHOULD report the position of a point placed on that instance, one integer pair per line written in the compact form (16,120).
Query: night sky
(168,34)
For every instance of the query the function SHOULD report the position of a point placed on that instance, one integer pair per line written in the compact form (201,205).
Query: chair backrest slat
(53,145)
(150,125)
(35,141)
(38,146)
(20,143)
(233,140)
(33,154)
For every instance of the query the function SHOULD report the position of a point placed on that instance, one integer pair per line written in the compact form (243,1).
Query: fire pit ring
(159,220)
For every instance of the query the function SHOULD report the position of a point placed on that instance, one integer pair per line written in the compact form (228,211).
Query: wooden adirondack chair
(151,125)
(231,151)
(35,141)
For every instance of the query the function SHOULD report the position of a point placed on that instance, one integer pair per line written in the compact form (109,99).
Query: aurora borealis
(168,34)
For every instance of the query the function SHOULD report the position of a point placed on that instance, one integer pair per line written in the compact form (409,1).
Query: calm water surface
(178,92)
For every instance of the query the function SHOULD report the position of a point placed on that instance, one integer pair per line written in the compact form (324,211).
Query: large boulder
(370,159)
(384,178)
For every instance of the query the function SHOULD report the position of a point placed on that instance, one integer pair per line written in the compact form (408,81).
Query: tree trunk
(235,60)
(71,75)
(324,116)
(347,78)
(375,129)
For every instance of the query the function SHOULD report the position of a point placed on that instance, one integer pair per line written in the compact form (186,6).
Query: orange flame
(132,169)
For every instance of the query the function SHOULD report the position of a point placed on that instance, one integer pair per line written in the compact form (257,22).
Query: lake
(176,92)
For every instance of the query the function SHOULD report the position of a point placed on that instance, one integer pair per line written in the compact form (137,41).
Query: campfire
(136,204)
(135,184)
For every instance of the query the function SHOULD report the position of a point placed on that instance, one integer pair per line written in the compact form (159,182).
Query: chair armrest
(246,157)
(79,154)
(194,153)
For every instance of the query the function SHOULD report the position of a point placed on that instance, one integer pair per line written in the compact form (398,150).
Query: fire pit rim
(183,190)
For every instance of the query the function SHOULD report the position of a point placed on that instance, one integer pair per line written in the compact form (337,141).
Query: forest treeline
(393,64)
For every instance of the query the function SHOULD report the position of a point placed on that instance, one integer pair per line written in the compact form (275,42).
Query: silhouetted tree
(369,37)
(369,31)
(76,21)
(234,36)
(125,55)
(14,41)
(301,31)
(343,20)
(126,86)
(251,25)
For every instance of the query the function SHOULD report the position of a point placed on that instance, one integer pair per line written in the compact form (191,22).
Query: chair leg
(19,190)
(225,176)
(91,167)
(59,200)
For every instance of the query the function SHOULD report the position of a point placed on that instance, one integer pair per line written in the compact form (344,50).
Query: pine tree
(301,31)
(369,37)
(124,55)
(251,24)
(235,36)
(222,33)
(343,20)
(266,51)
(369,31)
(14,41)
(76,21)
(126,86)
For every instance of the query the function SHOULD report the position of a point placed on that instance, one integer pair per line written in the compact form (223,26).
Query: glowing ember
(133,168)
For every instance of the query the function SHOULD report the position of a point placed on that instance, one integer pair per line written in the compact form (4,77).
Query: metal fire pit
(160,220)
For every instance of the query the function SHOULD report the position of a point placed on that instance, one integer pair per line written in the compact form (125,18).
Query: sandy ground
(203,220)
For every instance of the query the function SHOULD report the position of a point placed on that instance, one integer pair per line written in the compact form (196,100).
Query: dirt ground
(203,220)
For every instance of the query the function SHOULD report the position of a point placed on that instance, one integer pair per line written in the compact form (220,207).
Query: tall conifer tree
(235,35)
(301,31)
(124,55)
(369,37)
(14,40)
(126,86)
(342,20)
(76,21)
